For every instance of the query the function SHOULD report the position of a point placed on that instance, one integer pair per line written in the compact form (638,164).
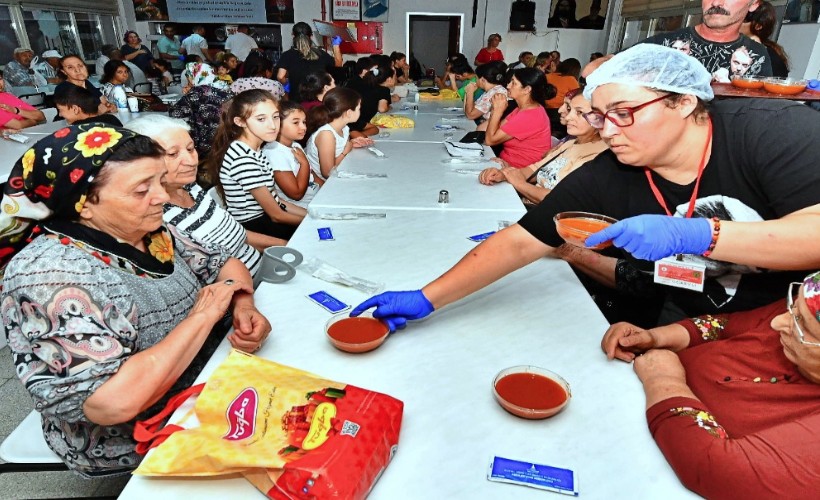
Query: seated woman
(74,72)
(534,182)
(399,62)
(116,73)
(77,106)
(243,174)
(108,312)
(201,107)
(564,79)
(190,208)
(525,133)
(491,81)
(460,75)
(15,113)
(733,400)
(258,74)
(313,89)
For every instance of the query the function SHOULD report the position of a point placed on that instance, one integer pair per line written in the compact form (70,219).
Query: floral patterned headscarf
(51,180)
(811,292)
(203,74)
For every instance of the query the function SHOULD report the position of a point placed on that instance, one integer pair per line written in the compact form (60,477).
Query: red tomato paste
(576,231)
(532,391)
(357,330)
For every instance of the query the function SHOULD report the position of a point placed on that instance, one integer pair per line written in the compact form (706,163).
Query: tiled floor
(15,404)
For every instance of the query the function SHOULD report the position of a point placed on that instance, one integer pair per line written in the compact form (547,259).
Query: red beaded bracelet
(715,236)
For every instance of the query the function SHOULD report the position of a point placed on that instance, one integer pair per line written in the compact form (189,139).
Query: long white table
(443,368)
(415,176)
(428,128)
(11,151)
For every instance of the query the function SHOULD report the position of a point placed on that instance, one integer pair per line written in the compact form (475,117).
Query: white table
(425,128)
(415,175)
(450,107)
(442,369)
(11,151)
(30,89)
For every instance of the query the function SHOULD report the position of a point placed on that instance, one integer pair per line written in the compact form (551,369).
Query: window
(95,31)
(8,38)
(47,29)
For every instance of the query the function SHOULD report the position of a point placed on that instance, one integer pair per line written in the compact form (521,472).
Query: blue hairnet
(656,67)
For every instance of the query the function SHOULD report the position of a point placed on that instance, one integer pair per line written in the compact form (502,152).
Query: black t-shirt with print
(744,56)
(762,166)
(371,95)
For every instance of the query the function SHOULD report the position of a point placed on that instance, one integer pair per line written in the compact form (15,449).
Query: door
(431,38)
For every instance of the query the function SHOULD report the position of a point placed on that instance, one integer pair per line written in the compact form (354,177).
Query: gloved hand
(654,237)
(182,58)
(395,308)
(286,87)
(336,40)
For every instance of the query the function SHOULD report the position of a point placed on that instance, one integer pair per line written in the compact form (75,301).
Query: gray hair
(155,125)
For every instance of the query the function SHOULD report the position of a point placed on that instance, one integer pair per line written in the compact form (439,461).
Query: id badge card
(544,477)
(685,273)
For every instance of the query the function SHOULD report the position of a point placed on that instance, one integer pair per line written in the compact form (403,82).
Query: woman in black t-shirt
(733,186)
(303,58)
(374,87)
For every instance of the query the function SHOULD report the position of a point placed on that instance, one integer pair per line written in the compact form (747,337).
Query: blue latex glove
(286,87)
(182,58)
(654,237)
(395,308)
(336,40)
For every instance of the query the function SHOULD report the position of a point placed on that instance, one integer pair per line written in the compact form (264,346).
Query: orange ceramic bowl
(575,227)
(747,82)
(784,86)
(531,392)
(356,335)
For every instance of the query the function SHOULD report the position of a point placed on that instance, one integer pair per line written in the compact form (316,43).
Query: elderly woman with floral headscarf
(201,106)
(733,400)
(108,312)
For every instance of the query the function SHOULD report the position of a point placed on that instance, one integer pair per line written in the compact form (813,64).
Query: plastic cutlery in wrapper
(324,271)
(357,175)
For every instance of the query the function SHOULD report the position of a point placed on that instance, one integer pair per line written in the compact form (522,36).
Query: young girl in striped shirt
(242,172)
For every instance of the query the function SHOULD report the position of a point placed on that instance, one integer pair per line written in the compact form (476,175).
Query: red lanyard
(659,196)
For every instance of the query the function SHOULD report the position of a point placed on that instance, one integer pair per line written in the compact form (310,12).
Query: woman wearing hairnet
(732,185)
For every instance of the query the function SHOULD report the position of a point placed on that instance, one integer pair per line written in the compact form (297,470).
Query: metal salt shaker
(443,196)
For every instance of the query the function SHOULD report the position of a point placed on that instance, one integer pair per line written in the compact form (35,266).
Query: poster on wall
(584,14)
(375,10)
(217,11)
(150,10)
(280,11)
(347,10)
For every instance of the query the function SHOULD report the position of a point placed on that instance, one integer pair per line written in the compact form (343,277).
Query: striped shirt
(207,222)
(243,170)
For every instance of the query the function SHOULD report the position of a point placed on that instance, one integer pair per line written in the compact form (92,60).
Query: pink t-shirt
(530,132)
(11,100)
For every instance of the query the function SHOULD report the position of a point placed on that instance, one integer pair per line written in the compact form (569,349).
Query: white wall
(802,44)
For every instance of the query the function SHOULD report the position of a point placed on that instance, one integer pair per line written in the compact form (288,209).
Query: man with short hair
(717,42)
(240,44)
(77,105)
(49,67)
(19,72)
(168,47)
(195,44)
(524,60)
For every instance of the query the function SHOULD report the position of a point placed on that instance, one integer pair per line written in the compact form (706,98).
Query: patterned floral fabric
(710,327)
(53,177)
(704,419)
(72,320)
(811,292)
(202,74)
(201,108)
(258,82)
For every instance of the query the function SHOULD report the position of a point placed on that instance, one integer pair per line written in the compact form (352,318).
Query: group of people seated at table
(120,268)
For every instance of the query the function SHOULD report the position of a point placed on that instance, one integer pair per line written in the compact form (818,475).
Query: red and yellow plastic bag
(289,432)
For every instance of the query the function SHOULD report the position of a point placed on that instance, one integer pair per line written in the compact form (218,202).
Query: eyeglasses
(796,317)
(622,117)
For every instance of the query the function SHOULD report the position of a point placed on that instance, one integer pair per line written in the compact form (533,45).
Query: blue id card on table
(328,302)
(480,237)
(540,476)
(325,234)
